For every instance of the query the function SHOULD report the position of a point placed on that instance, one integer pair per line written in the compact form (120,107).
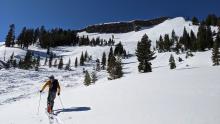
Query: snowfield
(189,94)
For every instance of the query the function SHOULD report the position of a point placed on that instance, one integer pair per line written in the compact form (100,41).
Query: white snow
(189,94)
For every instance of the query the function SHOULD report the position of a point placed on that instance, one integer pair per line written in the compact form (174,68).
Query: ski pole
(61,102)
(39,105)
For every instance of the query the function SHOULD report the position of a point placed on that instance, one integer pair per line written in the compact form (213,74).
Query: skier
(54,88)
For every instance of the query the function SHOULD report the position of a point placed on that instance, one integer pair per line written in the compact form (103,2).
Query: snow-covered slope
(130,39)
(189,94)
(184,95)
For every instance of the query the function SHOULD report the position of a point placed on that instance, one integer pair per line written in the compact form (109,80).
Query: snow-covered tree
(103,60)
(144,54)
(60,65)
(94,76)
(68,65)
(215,52)
(76,62)
(87,79)
(9,42)
(82,60)
(172,62)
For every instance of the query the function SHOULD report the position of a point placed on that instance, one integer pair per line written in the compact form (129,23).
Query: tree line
(51,38)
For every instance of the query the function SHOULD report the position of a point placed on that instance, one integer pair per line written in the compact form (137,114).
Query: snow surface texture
(189,94)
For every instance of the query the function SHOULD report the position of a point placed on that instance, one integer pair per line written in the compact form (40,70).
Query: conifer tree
(111,60)
(215,52)
(103,60)
(195,21)
(20,65)
(177,47)
(9,42)
(116,70)
(82,60)
(55,63)
(193,41)
(172,62)
(50,60)
(201,38)
(160,45)
(185,40)
(86,56)
(14,63)
(98,67)
(45,62)
(60,65)
(174,38)
(87,79)
(68,65)
(37,64)
(94,76)
(209,38)
(144,54)
(76,62)
(118,49)
(167,43)
(28,62)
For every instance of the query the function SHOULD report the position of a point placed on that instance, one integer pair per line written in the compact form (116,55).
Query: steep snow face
(131,38)
(176,24)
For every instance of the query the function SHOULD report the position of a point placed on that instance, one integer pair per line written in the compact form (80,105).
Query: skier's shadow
(71,109)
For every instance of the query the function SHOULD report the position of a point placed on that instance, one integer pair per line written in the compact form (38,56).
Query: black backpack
(54,86)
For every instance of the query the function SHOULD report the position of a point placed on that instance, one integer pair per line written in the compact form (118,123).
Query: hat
(51,77)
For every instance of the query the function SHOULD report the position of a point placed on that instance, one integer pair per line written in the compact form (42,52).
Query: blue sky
(76,14)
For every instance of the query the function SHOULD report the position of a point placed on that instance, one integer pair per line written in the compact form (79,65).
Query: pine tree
(111,60)
(82,60)
(174,38)
(209,38)
(201,38)
(45,62)
(68,65)
(50,60)
(55,63)
(60,65)
(14,63)
(98,67)
(116,70)
(94,77)
(172,62)
(10,36)
(10,61)
(167,43)
(211,20)
(195,21)
(118,49)
(144,54)
(28,62)
(103,60)
(193,41)
(20,65)
(37,64)
(76,62)
(185,40)
(215,52)
(160,45)
(87,79)
(86,56)
(21,38)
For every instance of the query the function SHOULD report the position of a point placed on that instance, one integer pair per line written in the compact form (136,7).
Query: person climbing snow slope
(54,88)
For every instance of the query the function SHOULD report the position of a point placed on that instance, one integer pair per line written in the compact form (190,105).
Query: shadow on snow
(71,109)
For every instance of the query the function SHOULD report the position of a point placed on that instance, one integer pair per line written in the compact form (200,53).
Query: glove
(58,94)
